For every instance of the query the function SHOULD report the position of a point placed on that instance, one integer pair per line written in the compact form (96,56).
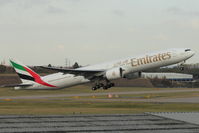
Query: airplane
(101,74)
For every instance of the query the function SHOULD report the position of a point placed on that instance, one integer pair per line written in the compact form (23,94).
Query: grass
(38,107)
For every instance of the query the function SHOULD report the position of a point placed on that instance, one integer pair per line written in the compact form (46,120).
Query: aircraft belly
(70,81)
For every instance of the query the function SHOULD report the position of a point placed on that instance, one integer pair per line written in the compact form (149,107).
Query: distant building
(192,66)
(170,76)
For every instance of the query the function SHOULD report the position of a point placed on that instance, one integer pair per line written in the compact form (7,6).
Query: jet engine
(114,73)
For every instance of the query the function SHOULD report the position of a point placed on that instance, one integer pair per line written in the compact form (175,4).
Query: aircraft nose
(189,52)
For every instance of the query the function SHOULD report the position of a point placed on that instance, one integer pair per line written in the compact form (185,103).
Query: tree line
(9,70)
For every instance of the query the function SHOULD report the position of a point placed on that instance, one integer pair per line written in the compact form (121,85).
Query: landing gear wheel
(112,84)
(181,68)
(97,86)
(105,87)
(94,88)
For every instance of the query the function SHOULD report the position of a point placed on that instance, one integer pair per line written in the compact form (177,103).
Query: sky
(39,32)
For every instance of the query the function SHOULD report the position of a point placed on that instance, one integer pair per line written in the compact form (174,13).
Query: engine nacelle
(114,73)
(133,75)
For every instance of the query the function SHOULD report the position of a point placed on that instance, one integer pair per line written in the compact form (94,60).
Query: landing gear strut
(181,68)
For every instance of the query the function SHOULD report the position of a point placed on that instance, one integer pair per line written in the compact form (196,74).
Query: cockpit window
(187,50)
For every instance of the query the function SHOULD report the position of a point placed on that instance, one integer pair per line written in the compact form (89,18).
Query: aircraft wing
(17,85)
(77,72)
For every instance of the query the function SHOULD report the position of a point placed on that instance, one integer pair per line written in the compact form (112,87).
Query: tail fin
(25,73)
(28,75)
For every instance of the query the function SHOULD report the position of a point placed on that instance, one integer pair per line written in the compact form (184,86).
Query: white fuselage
(130,65)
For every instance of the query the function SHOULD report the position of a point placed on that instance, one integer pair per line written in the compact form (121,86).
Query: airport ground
(82,100)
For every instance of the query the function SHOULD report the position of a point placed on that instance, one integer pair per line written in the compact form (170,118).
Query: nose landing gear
(181,66)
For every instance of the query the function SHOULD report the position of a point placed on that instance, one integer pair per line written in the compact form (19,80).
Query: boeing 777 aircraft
(100,74)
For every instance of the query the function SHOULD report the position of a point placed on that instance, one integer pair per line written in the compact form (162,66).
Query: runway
(98,94)
(191,99)
(130,123)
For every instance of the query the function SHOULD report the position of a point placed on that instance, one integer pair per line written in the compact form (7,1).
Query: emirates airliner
(101,74)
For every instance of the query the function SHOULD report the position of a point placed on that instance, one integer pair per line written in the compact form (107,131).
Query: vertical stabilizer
(23,71)
(28,75)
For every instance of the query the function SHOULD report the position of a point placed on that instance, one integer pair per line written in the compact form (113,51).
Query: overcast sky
(38,32)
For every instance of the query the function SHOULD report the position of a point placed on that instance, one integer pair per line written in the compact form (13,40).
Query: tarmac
(162,122)
(129,123)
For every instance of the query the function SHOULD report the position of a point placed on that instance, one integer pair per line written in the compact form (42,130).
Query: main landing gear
(104,86)
(181,68)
